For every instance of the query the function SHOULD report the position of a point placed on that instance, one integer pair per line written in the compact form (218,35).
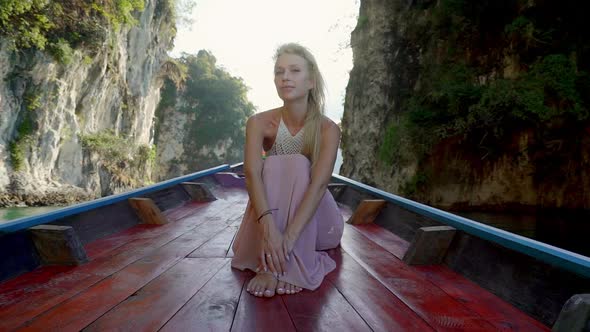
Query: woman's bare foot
(286,288)
(263,284)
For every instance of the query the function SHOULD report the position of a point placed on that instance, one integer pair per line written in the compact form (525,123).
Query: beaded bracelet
(269,211)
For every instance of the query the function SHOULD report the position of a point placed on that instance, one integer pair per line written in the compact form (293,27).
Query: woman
(291,216)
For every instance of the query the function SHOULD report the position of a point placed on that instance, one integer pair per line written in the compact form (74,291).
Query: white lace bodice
(285,143)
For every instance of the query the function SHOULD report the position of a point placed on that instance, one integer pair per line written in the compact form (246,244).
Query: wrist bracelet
(269,211)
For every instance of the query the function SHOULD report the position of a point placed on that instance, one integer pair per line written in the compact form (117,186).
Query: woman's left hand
(288,244)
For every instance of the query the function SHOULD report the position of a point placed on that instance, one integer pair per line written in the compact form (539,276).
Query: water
(564,229)
(7,214)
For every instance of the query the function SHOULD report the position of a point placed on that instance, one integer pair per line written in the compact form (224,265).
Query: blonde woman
(291,216)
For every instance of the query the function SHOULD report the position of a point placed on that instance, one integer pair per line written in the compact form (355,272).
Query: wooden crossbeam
(199,192)
(575,314)
(58,245)
(430,245)
(366,211)
(147,211)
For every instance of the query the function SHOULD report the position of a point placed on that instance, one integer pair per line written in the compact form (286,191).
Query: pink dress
(286,176)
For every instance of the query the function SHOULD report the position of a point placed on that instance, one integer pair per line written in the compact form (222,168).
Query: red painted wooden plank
(217,246)
(386,239)
(153,305)
(261,314)
(82,309)
(324,309)
(382,310)
(45,295)
(183,210)
(500,313)
(101,247)
(12,290)
(438,309)
(214,306)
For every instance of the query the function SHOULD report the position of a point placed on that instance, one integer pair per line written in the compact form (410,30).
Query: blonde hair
(315,101)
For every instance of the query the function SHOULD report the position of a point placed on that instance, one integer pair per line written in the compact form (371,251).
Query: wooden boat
(158,258)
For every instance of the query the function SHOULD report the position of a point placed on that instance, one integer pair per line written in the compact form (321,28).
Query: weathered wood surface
(177,277)
(366,211)
(148,211)
(58,245)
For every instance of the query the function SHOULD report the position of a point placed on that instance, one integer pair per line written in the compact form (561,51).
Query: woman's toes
(269,293)
(281,287)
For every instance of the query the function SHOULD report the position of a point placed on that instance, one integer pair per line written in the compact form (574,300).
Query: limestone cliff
(56,116)
(471,105)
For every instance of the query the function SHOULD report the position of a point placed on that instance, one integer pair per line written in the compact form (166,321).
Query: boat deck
(177,277)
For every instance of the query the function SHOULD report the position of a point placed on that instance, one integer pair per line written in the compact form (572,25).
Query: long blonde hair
(315,101)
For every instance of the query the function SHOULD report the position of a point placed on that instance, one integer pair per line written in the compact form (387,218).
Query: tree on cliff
(217,108)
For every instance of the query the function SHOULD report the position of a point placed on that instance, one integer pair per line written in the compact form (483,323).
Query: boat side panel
(17,254)
(95,224)
(533,286)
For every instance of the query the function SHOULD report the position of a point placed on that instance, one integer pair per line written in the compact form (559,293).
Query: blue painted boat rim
(30,221)
(562,258)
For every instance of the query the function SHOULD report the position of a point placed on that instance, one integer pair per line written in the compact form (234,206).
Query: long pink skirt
(286,178)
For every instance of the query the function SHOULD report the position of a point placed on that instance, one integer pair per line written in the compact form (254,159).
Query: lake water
(7,214)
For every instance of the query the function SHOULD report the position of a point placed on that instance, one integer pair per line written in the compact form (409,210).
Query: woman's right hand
(272,256)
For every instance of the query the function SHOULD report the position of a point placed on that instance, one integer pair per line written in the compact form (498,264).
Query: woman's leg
(286,179)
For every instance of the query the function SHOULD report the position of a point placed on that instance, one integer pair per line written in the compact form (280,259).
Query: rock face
(512,161)
(49,109)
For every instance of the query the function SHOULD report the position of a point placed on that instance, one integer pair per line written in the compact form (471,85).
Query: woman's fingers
(263,262)
(270,261)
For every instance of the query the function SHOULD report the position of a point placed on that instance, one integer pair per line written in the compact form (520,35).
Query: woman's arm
(253,171)
(321,174)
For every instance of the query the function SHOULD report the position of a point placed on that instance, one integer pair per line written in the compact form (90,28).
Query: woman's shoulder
(265,117)
(328,125)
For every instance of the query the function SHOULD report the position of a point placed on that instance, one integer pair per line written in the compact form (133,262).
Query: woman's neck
(295,113)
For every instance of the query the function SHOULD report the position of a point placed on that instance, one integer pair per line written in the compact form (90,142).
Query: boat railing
(30,221)
(562,258)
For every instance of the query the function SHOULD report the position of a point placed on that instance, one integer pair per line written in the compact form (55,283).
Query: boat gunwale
(547,253)
(40,219)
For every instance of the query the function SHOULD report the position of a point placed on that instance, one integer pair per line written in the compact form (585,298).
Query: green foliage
(63,25)
(109,145)
(390,148)
(217,99)
(61,51)
(362,21)
(413,186)
(120,156)
(32,100)
(19,144)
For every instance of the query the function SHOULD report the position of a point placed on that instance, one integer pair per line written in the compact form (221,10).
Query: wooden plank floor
(177,277)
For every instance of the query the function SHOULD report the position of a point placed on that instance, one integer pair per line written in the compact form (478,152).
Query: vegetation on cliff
(488,69)
(217,106)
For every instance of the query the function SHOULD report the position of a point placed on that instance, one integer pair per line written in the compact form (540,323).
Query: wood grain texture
(324,309)
(366,211)
(154,304)
(218,246)
(214,306)
(438,309)
(386,239)
(148,211)
(498,312)
(45,294)
(261,314)
(380,308)
(82,309)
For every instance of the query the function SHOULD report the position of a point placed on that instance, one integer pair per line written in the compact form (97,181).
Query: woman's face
(292,78)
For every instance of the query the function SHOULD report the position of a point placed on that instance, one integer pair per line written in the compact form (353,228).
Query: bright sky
(243,36)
